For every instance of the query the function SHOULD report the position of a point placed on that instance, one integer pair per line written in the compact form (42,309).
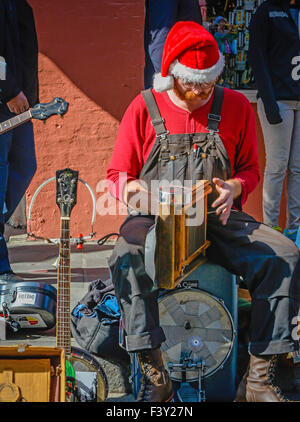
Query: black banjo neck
(66,196)
(39,111)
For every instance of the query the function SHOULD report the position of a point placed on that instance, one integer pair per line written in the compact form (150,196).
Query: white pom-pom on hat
(161,83)
(190,53)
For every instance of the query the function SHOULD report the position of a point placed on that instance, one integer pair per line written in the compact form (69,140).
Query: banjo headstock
(45,110)
(66,190)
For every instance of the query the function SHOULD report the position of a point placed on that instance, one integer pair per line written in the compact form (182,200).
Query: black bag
(95,323)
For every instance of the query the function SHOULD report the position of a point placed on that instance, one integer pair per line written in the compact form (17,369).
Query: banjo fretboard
(63,333)
(15,121)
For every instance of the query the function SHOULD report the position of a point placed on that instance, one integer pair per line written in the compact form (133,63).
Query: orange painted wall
(91,54)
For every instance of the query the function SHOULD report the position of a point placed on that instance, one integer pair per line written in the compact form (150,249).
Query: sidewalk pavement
(36,261)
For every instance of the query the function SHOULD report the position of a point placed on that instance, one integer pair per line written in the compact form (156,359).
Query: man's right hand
(19,104)
(137,197)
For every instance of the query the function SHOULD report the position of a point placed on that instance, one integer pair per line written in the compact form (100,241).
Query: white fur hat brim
(187,74)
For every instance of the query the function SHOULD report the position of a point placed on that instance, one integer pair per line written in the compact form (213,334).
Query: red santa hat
(190,53)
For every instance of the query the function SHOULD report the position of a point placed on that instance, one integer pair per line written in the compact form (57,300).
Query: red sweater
(136,137)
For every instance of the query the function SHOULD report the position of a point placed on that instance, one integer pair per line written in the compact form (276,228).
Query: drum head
(198,328)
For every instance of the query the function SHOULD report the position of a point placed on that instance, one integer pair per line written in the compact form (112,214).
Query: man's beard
(190,96)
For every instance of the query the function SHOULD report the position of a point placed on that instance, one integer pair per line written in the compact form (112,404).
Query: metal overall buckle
(216,118)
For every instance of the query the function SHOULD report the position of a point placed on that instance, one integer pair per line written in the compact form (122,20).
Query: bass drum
(91,383)
(198,328)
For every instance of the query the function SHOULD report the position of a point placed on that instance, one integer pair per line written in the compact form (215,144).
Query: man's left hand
(18,104)
(227,192)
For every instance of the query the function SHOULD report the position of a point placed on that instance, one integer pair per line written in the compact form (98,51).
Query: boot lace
(271,376)
(146,384)
(148,371)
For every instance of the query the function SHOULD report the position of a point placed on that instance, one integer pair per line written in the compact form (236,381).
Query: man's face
(191,93)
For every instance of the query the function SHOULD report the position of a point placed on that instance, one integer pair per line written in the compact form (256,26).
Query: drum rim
(89,358)
(221,302)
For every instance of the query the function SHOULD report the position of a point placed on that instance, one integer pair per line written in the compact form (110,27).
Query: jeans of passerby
(17,167)
(158,21)
(282,144)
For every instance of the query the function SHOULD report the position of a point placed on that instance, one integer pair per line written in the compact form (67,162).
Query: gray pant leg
(134,289)
(293,179)
(270,266)
(282,145)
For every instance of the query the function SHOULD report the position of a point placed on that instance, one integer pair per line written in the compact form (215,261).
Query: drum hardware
(78,241)
(7,321)
(105,238)
(200,331)
(187,365)
(201,325)
(14,325)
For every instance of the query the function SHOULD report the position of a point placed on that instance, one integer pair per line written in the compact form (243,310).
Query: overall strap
(214,116)
(155,116)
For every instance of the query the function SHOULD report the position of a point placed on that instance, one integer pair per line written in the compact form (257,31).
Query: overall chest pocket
(205,162)
(210,160)
(173,166)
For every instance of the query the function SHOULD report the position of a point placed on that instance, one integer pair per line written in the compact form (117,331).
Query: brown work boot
(285,376)
(241,390)
(156,385)
(260,381)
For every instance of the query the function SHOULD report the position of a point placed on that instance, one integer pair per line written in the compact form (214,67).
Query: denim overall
(186,157)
